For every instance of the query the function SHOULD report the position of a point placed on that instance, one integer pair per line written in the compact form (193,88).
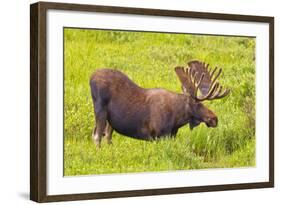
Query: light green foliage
(149,60)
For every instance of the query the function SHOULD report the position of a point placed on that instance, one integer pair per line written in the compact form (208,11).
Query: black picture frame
(38,100)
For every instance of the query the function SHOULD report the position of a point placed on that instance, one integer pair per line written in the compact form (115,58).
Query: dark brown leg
(94,132)
(108,133)
(100,114)
(174,133)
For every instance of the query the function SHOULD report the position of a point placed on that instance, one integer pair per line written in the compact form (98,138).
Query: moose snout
(212,122)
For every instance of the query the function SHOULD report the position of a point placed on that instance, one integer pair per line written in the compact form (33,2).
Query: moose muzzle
(212,122)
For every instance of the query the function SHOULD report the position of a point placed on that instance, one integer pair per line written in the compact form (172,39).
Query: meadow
(149,60)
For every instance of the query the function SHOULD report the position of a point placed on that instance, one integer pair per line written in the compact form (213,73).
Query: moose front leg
(174,133)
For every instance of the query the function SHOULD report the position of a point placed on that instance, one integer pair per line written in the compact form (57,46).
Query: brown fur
(146,114)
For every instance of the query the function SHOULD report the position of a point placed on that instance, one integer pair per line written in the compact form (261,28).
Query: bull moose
(149,114)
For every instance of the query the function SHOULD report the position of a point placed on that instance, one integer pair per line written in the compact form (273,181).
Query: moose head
(199,77)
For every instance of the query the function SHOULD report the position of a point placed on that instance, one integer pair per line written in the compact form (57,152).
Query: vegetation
(149,60)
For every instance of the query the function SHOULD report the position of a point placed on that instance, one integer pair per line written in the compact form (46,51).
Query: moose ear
(182,76)
(184,90)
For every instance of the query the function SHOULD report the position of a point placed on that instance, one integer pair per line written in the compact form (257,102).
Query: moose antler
(206,83)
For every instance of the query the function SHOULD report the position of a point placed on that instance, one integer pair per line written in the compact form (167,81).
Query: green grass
(149,60)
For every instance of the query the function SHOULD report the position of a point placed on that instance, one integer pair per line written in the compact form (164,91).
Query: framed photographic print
(133,102)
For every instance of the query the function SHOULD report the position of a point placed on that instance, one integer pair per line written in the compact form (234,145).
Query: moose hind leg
(100,115)
(94,132)
(108,133)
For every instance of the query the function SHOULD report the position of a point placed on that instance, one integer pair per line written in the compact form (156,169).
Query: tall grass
(148,59)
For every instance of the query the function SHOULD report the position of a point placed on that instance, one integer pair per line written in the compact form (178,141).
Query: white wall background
(14,108)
